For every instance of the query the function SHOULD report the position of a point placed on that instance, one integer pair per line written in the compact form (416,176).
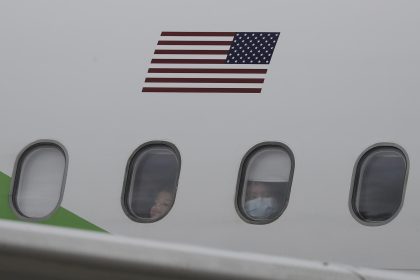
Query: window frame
(356,177)
(241,177)
(17,174)
(128,177)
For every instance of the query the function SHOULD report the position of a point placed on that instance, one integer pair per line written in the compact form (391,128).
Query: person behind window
(259,200)
(163,202)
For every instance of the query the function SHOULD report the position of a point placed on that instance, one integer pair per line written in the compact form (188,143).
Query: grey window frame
(356,176)
(17,172)
(241,178)
(128,177)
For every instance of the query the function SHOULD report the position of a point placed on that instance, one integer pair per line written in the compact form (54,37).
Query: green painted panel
(62,217)
(5,211)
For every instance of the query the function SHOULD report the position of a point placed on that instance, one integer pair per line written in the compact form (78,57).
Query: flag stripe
(204,80)
(190,61)
(194,52)
(193,47)
(169,33)
(205,75)
(204,43)
(201,85)
(196,38)
(201,90)
(203,70)
(209,66)
(188,56)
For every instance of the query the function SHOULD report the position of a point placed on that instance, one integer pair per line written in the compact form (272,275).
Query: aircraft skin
(344,76)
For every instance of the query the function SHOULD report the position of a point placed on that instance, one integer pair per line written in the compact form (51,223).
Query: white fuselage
(344,76)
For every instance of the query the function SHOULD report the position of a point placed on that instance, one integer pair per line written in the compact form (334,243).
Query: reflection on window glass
(265,181)
(151,182)
(39,180)
(379,184)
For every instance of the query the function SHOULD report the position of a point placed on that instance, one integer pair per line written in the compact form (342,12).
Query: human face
(162,204)
(259,204)
(256,190)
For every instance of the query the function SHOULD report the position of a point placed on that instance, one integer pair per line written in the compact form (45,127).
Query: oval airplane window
(151,182)
(264,184)
(39,180)
(379,185)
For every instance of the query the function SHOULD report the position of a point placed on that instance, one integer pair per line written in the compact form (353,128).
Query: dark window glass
(379,184)
(264,185)
(39,180)
(151,182)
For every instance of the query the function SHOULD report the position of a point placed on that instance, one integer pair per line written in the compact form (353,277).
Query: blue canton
(252,48)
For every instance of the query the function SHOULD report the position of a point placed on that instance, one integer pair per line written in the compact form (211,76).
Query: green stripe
(61,218)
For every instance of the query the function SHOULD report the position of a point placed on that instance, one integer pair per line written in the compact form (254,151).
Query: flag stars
(252,48)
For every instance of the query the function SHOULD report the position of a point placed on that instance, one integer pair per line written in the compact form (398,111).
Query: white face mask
(260,207)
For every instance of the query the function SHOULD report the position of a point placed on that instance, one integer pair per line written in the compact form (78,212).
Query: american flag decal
(210,62)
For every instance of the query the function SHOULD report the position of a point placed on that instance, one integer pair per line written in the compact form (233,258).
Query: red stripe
(201,90)
(219,34)
(182,43)
(203,70)
(204,80)
(220,52)
(189,61)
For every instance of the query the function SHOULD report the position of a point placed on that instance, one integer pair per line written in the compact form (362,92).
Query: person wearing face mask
(266,185)
(259,201)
